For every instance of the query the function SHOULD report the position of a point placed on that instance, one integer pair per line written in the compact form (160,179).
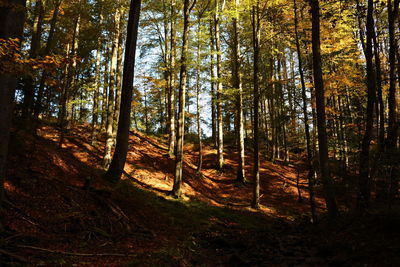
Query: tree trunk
(176,191)
(321,118)
(12,16)
(29,87)
(392,137)
(212,84)
(393,11)
(381,106)
(172,104)
(121,149)
(68,85)
(220,128)
(198,89)
(256,49)
(237,78)
(96,97)
(111,89)
(118,77)
(106,81)
(364,173)
(49,47)
(310,175)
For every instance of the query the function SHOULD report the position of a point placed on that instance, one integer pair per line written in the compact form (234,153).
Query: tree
(111,88)
(176,190)
(310,175)
(321,117)
(212,85)
(12,16)
(29,89)
(237,84)
(116,168)
(172,89)
(364,175)
(48,48)
(96,95)
(256,145)
(393,11)
(220,130)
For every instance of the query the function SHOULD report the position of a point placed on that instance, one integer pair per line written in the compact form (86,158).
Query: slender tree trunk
(392,137)
(118,76)
(121,149)
(172,87)
(360,24)
(146,112)
(219,86)
(286,129)
(237,78)
(321,118)
(106,82)
(282,111)
(96,98)
(393,11)
(68,84)
(310,175)
(344,137)
(111,102)
(49,47)
(29,87)
(212,84)
(166,55)
(256,49)
(381,106)
(73,74)
(176,191)
(198,91)
(364,174)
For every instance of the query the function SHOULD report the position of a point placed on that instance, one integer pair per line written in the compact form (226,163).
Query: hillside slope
(59,211)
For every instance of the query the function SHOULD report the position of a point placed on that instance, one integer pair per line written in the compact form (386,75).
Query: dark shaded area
(53,219)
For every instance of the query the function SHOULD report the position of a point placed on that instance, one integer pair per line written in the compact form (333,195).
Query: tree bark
(220,139)
(212,84)
(111,102)
(321,118)
(172,102)
(106,81)
(96,97)
(69,80)
(381,105)
(49,47)
(393,11)
(237,79)
(12,17)
(198,91)
(118,76)
(364,173)
(116,168)
(176,190)
(310,175)
(256,146)
(29,87)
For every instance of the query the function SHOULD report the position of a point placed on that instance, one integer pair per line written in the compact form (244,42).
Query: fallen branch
(23,214)
(76,254)
(12,255)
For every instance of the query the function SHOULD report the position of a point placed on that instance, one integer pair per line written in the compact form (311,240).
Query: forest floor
(53,219)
